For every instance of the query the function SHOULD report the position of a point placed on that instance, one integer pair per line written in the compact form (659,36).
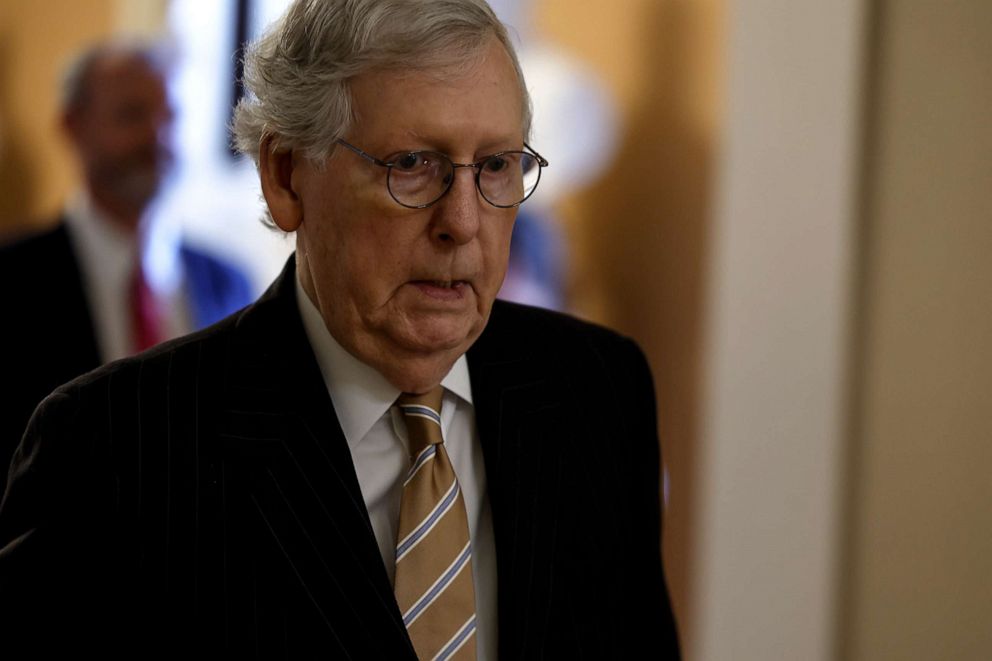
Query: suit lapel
(519,410)
(290,476)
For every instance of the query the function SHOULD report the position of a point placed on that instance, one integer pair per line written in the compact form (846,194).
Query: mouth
(445,290)
(445,284)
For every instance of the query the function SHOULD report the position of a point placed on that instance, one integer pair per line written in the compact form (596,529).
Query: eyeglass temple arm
(540,159)
(363,154)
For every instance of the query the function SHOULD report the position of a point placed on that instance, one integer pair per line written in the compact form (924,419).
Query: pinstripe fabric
(433,583)
(201,499)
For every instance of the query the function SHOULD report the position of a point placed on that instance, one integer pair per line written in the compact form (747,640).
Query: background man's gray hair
(75,76)
(296,76)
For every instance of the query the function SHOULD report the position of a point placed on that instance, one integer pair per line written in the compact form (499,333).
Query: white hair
(296,75)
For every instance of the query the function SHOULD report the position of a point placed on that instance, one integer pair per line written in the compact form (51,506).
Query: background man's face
(122,130)
(376,267)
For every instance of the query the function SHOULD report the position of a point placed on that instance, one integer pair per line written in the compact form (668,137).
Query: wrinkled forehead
(487,71)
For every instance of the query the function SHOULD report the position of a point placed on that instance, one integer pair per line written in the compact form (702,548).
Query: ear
(275,169)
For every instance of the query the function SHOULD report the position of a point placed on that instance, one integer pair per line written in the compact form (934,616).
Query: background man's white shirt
(107,254)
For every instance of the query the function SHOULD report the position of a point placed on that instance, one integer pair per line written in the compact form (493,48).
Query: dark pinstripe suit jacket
(201,499)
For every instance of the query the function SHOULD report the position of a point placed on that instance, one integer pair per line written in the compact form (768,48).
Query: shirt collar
(114,249)
(359,393)
(94,228)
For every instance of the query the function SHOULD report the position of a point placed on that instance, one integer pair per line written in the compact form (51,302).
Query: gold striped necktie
(433,584)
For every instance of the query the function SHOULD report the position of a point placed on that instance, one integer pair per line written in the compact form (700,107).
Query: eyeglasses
(418,179)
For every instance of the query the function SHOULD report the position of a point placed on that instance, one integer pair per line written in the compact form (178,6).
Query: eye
(419,164)
(408,162)
(496,164)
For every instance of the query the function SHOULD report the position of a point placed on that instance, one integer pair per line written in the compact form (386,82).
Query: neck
(416,375)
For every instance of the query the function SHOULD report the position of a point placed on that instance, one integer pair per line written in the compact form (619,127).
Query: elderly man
(376,459)
(84,292)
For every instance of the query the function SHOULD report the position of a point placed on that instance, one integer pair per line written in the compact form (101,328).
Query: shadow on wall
(17,180)
(642,238)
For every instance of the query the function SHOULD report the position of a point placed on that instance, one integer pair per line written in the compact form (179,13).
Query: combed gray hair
(296,75)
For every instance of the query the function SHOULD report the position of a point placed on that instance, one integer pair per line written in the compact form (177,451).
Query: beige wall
(778,309)
(919,576)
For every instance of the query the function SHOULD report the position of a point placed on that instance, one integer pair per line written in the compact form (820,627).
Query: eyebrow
(491,145)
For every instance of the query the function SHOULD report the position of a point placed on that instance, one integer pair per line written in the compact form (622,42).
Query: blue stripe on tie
(424,527)
(420,411)
(424,457)
(467,630)
(442,583)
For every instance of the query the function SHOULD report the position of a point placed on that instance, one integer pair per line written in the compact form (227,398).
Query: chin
(140,187)
(442,337)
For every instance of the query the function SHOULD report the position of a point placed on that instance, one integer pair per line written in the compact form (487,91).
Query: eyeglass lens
(420,178)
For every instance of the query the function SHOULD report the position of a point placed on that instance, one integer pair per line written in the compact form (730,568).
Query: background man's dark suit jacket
(47,336)
(201,498)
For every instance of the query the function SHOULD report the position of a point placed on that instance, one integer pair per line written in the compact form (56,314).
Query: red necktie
(146,324)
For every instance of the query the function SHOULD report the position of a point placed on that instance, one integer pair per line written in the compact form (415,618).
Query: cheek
(369,263)
(104,144)
(391,242)
(356,249)
(498,246)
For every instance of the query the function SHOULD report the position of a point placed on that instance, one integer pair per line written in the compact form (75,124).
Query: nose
(456,215)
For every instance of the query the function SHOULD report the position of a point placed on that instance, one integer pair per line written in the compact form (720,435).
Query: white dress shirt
(376,434)
(106,254)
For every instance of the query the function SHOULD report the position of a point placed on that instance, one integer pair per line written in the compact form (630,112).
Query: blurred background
(787,203)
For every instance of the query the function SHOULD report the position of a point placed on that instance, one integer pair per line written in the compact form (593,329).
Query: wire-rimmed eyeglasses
(418,179)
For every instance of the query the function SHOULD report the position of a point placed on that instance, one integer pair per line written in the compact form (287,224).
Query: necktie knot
(422,414)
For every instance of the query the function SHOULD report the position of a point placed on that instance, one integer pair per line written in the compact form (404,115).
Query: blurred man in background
(106,280)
